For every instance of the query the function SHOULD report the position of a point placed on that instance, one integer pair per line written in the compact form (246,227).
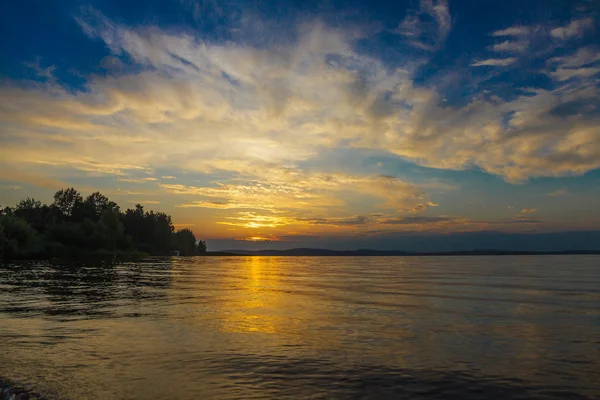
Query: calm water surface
(305,328)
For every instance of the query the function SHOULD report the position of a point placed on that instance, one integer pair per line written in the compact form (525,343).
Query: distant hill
(378,253)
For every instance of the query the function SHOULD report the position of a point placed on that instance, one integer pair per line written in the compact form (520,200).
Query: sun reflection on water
(254,307)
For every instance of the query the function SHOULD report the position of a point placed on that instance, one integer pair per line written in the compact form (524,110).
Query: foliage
(76,227)
(92,207)
(185,242)
(67,200)
(16,236)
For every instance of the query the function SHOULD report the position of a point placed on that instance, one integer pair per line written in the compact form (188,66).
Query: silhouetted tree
(201,247)
(74,227)
(34,213)
(133,221)
(111,230)
(6,210)
(185,242)
(67,200)
(161,232)
(93,206)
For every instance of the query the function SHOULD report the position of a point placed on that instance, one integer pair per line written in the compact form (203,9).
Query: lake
(486,327)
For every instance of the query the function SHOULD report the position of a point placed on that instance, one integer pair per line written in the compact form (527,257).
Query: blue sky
(297,122)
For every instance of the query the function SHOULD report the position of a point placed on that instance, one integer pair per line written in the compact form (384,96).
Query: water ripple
(304,327)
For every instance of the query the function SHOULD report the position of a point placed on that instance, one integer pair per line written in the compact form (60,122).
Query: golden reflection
(255,304)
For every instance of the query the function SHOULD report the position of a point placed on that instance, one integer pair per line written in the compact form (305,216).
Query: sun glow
(260,239)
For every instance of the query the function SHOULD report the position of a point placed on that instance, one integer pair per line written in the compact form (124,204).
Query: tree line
(74,226)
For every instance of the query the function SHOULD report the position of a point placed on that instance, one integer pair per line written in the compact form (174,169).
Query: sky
(285,124)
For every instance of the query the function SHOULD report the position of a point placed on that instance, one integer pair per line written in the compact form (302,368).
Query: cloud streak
(494,62)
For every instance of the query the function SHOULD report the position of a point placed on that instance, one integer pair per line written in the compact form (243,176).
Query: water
(305,327)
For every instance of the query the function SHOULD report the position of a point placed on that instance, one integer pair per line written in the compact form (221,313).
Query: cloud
(144,202)
(137,180)
(421,207)
(563,74)
(339,221)
(573,29)
(513,31)
(511,46)
(419,220)
(253,220)
(556,193)
(583,56)
(287,189)
(31,178)
(427,36)
(528,210)
(46,73)
(581,64)
(518,220)
(169,177)
(270,238)
(11,187)
(256,114)
(522,219)
(224,205)
(494,62)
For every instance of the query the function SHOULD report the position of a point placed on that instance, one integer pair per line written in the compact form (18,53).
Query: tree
(185,242)
(33,212)
(133,221)
(201,247)
(16,236)
(27,205)
(74,227)
(93,206)
(161,229)
(110,229)
(67,200)
(6,210)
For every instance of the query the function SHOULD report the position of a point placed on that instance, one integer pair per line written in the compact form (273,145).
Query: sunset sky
(295,122)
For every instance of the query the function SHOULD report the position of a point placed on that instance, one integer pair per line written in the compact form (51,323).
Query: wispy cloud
(583,56)
(418,220)
(563,74)
(144,202)
(293,189)
(509,46)
(513,31)
(522,219)
(424,35)
(354,220)
(557,193)
(494,62)
(575,28)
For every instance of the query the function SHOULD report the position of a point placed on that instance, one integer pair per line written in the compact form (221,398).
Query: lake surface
(305,328)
